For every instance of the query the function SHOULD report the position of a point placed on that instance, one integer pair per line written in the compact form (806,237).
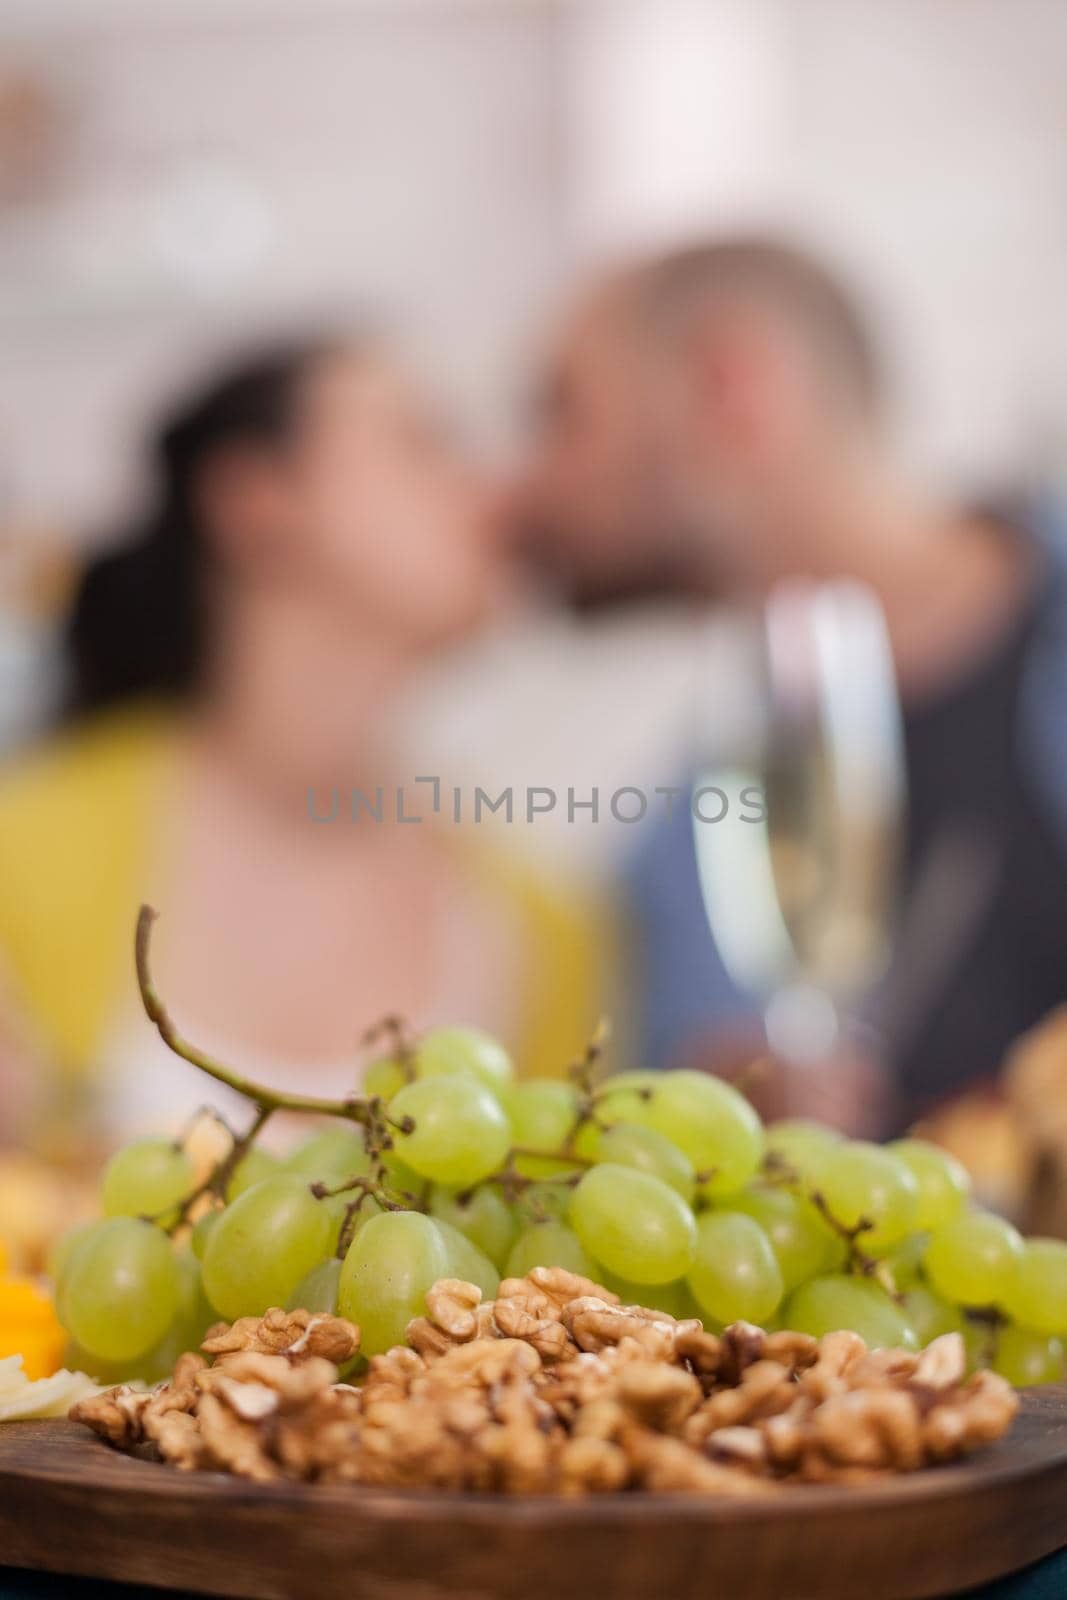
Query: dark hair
(778,274)
(137,626)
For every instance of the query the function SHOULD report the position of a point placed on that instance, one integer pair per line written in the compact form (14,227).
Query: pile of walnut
(556,1387)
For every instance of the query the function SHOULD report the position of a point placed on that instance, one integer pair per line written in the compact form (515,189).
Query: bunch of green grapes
(664,1187)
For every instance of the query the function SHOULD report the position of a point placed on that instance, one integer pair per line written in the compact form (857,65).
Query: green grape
(203,1228)
(483,1215)
(1037,1297)
(711,1123)
(331,1156)
(837,1254)
(195,1313)
(192,1319)
(401,1179)
(623,1097)
(148,1179)
(944,1183)
(823,1305)
(690,1309)
(337,1207)
(639,1079)
(105,1373)
(460,1133)
(543,1115)
(62,1252)
(929,1314)
(60,1262)
(385,1076)
(467,1262)
(542,1202)
(587,1137)
(974,1259)
(317,1290)
(159,1363)
(801,1241)
(469,1051)
(980,1342)
(635,1224)
(120,1289)
(549,1244)
(862,1182)
(336,1210)
(263,1245)
(368,1207)
(675,1299)
(627,1144)
(734,1274)
(255,1165)
(390,1264)
(796,1144)
(905,1261)
(1027,1358)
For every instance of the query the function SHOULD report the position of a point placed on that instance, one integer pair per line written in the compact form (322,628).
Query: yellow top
(76,841)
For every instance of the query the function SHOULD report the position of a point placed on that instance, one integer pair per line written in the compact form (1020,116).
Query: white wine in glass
(800,901)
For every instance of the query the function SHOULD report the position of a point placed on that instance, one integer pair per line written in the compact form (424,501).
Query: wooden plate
(70,1504)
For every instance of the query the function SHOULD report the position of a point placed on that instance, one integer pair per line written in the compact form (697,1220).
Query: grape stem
(582,1074)
(354,1108)
(988,1322)
(370,1113)
(395,1030)
(778,1172)
(563,1154)
(858,1260)
(515,1183)
(850,1235)
(220,1174)
(367,1187)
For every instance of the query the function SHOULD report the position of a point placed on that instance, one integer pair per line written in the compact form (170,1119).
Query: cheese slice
(47,1397)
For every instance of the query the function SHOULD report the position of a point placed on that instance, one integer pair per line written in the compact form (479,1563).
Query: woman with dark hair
(234,666)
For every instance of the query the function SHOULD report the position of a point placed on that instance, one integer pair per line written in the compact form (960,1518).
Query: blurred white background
(176,174)
(172,172)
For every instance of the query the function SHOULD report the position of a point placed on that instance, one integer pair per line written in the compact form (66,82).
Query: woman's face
(382,514)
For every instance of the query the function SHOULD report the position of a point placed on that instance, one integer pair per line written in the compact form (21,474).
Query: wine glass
(799,897)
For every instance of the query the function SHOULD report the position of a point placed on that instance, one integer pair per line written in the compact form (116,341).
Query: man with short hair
(715,425)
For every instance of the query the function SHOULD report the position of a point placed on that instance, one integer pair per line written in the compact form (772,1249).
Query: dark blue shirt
(982,897)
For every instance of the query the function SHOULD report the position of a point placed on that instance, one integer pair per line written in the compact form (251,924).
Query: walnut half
(297,1335)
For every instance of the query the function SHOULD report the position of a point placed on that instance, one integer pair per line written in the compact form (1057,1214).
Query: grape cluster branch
(369,1113)
(354,1108)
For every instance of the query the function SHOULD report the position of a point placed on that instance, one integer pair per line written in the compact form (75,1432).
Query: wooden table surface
(70,1504)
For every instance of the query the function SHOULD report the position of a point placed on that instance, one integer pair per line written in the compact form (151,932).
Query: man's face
(655,459)
(589,501)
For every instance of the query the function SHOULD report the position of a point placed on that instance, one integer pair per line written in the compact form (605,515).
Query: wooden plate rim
(165,1482)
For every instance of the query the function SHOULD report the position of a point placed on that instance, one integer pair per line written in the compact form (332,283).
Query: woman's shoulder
(87,763)
(75,811)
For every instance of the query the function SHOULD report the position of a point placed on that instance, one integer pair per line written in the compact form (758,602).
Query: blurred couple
(711,423)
